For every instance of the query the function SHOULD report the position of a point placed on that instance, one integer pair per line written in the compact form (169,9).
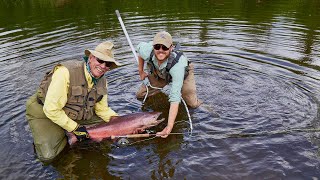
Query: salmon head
(151,119)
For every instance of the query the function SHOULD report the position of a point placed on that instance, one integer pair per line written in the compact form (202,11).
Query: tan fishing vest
(81,101)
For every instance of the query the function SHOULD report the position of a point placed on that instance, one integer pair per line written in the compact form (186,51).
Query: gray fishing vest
(81,101)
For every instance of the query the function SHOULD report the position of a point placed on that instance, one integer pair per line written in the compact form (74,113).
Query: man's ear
(90,57)
(171,48)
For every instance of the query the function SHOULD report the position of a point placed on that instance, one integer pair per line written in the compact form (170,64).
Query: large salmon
(120,125)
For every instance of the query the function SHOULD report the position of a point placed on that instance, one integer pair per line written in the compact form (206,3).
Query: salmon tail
(71,138)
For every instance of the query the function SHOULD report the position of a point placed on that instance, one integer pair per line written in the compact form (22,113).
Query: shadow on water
(108,160)
(76,162)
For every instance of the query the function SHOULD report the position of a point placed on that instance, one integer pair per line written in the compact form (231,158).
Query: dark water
(257,70)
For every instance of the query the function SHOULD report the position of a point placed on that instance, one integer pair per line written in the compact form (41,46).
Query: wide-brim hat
(104,51)
(164,38)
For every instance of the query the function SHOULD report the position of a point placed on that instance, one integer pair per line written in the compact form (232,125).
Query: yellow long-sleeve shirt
(57,96)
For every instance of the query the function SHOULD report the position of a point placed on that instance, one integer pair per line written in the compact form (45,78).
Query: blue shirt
(177,71)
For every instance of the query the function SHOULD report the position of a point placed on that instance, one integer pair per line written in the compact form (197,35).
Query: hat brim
(162,42)
(103,57)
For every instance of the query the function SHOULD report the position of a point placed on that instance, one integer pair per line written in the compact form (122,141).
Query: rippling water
(257,70)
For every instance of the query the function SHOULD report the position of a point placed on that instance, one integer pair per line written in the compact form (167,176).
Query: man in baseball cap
(163,38)
(167,65)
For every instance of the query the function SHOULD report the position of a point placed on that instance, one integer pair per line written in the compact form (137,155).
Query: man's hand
(81,133)
(165,132)
(143,75)
(172,116)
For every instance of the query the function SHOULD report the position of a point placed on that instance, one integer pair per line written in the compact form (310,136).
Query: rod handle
(132,136)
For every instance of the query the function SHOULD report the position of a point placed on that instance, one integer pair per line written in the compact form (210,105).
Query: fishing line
(221,135)
(140,141)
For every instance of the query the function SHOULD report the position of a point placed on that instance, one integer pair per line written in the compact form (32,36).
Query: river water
(256,65)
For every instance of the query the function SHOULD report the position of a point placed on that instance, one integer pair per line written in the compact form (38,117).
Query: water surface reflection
(257,69)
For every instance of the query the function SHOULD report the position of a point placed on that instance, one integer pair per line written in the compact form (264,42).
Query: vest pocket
(73,112)
(76,90)
(76,94)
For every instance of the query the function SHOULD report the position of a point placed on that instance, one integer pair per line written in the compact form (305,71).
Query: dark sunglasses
(158,46)
(108,64)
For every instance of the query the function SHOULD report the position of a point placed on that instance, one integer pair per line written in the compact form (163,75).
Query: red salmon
(120,126)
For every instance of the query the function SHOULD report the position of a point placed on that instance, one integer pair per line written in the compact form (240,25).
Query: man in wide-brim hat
(73,93)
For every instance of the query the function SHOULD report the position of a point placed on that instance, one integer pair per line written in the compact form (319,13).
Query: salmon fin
(138,130)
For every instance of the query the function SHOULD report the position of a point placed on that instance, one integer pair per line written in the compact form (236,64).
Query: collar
(93,79)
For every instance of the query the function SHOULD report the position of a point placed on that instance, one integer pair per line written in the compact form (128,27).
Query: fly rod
(146,80)
(221,135)
(127,36)
(142,135)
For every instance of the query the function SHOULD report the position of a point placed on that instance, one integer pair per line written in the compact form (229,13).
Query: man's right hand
(81,133)
(143,75)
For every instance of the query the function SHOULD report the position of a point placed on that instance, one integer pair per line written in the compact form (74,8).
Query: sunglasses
(108,64)
(158,46)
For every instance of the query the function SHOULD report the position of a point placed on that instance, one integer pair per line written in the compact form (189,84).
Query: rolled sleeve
(144,49)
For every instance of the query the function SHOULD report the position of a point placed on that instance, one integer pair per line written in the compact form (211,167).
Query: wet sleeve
(56,99)
(177,73)
(144,49)
(103,110)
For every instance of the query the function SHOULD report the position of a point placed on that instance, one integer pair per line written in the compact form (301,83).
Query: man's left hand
(81,133)
(165,132)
